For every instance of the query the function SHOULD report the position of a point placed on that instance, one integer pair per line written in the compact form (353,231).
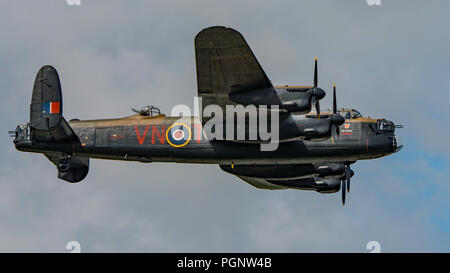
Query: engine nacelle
(301,105)
(320,177)
(330,170)
(317,184)
(299,99)
(288,171)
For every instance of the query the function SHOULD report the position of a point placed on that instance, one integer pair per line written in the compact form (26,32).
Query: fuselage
(148,139)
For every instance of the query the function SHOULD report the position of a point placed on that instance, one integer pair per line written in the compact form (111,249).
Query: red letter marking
(161,136)
(141,139)
(198,132)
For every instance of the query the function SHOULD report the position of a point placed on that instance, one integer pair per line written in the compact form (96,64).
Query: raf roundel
(178,135)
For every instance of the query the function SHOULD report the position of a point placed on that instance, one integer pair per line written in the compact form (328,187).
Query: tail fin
(46,118)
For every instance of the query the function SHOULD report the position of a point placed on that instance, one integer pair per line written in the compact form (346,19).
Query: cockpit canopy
(349,113)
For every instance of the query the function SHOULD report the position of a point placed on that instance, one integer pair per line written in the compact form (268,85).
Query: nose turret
(397,143)
(380,138)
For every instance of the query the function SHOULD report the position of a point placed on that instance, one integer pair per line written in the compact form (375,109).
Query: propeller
(317,92)
(336,119)
(345,181)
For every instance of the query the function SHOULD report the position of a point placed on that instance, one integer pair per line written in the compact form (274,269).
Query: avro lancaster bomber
(313,150)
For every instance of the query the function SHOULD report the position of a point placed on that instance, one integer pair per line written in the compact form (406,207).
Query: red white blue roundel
(178,134)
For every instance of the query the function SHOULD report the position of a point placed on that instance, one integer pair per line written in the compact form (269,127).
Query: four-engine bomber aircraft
(314,151)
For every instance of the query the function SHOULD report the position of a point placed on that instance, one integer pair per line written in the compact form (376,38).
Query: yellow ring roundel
(178,135)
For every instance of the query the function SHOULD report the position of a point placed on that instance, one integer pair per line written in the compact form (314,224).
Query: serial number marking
(206,264)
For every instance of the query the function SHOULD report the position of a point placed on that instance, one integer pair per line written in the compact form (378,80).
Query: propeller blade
(315,73)
(317,108)
(343,191)
(334,100)
(333,132)
(337,119)
(347,176)
(313,101)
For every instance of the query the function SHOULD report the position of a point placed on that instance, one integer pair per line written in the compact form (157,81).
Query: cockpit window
(350,114)
(356,114)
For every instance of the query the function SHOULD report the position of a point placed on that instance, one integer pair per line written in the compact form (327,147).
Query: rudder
(46,101)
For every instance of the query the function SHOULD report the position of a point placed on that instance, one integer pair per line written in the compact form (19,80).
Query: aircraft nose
(397,143)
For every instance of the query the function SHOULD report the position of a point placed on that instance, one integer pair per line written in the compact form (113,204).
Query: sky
(387,61)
